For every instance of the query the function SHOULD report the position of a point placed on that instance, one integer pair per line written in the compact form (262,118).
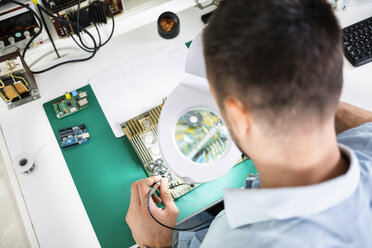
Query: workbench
(51,209)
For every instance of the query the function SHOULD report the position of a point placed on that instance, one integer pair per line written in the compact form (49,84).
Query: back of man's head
(281,58)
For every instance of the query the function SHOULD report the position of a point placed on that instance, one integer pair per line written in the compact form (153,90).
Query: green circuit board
(142,133)
(70,103)
(201,136)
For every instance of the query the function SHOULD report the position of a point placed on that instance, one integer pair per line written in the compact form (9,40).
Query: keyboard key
(357,42)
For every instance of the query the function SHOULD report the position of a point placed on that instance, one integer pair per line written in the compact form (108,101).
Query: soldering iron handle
(154,188)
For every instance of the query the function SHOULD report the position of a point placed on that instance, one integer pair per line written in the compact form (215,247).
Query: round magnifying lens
(201,136)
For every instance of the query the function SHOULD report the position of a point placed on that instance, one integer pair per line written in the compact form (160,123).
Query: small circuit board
(142,132)
(70,103)
(73,136)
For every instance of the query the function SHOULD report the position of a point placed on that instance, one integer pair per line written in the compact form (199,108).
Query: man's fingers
(156,198)
(165,195)
(150,181)
(143,187)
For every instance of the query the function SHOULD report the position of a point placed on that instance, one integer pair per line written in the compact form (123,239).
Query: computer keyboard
(357,40)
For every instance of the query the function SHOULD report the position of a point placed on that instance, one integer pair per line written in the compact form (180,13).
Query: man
(275,70)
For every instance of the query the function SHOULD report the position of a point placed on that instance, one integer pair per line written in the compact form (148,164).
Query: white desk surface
(53,203)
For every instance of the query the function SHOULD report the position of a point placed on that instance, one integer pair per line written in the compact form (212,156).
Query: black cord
(95,48)
(112,18)
(67,29)
(66,22)
(77,43)
(78,28)
(100,44)
(99,35)
(41,27)
(92,50)
(68,61)
(173,228)
(47,30)
(37,18)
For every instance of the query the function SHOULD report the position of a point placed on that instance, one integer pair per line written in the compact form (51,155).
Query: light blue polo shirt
(335,213)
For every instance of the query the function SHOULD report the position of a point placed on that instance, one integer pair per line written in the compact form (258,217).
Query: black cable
(47,30)
(41,27)
(77,43)
(173,228)
(99,34)
(67,29)
(61,20)
(86,48)
(37,18)
(78,29)
(68,61)
(63,63)
(113,21)
(92,50)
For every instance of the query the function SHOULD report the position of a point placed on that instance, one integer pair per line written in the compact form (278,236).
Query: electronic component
(339,5)
(83,102)
(142,132)
(70,103)
(17,84)
(357,41)
(213,3)
(91,13)
(73,136)
(18,25)
(201,136)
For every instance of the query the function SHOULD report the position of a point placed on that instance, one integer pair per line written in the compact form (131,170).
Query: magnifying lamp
(193,139)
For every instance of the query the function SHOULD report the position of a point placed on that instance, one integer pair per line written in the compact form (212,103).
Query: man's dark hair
(281,58)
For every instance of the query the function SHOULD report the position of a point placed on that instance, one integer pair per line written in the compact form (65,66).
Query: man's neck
(306,161)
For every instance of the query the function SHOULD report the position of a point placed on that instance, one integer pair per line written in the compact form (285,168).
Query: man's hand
(145,230)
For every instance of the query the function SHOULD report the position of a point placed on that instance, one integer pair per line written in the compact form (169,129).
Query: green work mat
(104,168)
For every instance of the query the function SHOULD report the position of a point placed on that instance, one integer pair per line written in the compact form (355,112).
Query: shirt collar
(247,206)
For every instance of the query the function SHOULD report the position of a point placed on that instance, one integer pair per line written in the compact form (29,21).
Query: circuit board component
(17,84)
(92,13)
(142,132)
(73,136)
(70,103)
(201,136)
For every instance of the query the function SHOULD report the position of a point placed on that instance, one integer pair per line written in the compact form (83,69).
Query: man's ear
(238,115)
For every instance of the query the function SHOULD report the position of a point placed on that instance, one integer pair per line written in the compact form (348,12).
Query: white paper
(130,89)
(195,63)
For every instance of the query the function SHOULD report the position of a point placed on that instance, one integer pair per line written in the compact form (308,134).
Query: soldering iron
(151,192)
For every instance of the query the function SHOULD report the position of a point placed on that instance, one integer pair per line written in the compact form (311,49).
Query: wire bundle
(75,26)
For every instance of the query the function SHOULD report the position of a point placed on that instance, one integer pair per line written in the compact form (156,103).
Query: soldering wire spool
(24,163)
(168,25)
